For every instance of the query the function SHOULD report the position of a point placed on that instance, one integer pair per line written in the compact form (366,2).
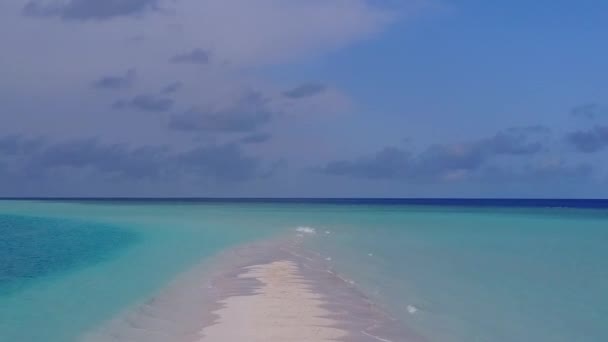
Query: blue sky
(321,98)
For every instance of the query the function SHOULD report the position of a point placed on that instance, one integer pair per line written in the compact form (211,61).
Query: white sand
(284,309)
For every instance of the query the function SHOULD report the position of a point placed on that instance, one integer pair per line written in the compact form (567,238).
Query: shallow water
(481,275)
(82,264)
(450,273)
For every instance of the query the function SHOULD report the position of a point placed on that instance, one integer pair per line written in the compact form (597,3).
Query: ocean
(450,270)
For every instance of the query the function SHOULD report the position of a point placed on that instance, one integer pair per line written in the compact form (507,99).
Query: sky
(303,98)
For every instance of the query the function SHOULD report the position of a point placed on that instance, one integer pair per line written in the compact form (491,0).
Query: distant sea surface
(452,270)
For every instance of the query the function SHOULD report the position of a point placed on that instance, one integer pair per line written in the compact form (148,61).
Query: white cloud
(249,32)
(54,61)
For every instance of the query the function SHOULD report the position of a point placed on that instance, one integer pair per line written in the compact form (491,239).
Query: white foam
(306,230)
(411,309)
(375,337)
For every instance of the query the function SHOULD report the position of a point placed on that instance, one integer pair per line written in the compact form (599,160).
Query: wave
(306,230)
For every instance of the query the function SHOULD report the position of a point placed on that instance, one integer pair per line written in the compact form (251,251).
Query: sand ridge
(284,308)
(289,294)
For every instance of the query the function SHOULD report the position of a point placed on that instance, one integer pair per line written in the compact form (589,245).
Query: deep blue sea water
(453,270)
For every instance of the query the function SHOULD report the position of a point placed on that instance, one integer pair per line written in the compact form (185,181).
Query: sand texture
(267,291)
(284,308)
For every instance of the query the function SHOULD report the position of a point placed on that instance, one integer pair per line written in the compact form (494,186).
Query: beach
(283,308)
(295,296)
(119,271)
(269,290)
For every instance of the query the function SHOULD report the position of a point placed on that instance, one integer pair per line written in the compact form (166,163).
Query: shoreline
(209,302)
(283,308)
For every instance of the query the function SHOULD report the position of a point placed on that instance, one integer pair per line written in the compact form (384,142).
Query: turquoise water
(68,267)
(492,275)
(33,247)
(450,273)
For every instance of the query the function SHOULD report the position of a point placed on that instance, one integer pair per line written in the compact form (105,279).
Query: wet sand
(269,291)
(284,308)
